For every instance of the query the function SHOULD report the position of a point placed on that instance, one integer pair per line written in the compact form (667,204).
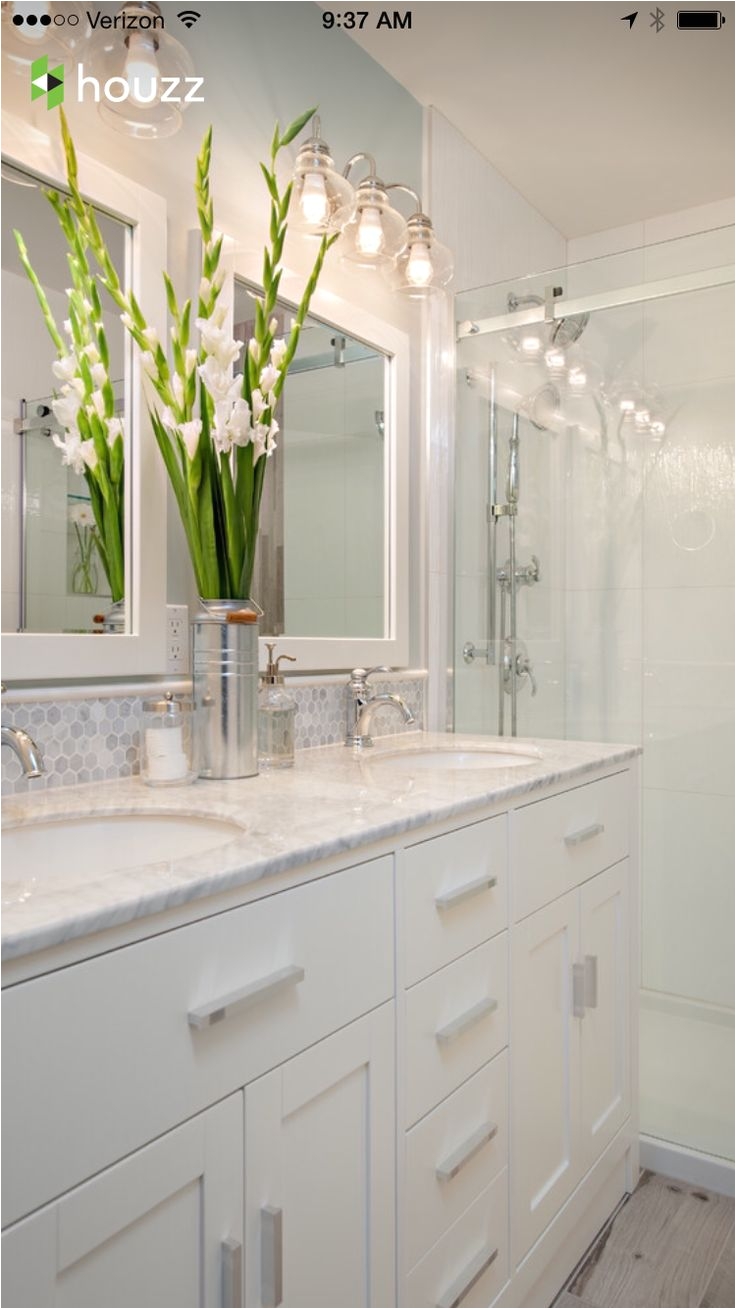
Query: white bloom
(75,386)
(65,368)
(148,363)
(278,350)
(260,437)
(97,404)
(205,288)
(75,452)
(238,426)
(218,281)
(92,353)
(269,378)
(190,362)
(99,374)
(114,430)
(273,325)
(66,408)
(150,335)
(81,514)
(68,327)
(271,438)
(177,386)
(167,418)
(216,236)
(190,433)
(220,434)
(87,306)
(260,405)
(219,382)
(253,348)
(127,321)
(216,341)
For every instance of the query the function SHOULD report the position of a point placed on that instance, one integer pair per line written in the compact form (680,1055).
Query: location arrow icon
(630,18)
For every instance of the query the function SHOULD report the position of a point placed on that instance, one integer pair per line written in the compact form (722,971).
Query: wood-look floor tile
(721,1293)
(661,1249)
(569,1301)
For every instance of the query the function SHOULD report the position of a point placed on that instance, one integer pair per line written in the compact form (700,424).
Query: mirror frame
(45,656)
(324,653)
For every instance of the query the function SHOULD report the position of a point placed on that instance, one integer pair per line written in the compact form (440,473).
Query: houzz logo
(143,89)
(48,82)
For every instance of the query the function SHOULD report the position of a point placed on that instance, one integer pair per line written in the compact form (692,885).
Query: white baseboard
(705,1170)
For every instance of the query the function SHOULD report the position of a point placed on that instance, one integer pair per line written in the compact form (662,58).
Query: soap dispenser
(276,713)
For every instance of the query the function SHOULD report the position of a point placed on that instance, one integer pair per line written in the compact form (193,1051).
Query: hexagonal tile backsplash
(98,740)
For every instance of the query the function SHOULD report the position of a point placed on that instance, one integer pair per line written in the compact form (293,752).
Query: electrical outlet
(177,639)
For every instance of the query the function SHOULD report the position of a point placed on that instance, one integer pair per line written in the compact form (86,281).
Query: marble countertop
(333,801)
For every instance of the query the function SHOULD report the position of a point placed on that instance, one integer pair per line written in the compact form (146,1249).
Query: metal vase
(225,675)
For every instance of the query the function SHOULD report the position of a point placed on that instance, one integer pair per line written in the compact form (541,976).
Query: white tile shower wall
(97,740)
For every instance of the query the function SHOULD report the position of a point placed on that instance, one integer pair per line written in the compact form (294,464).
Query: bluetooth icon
(657,18)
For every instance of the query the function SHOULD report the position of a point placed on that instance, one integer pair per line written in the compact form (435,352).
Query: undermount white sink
(71,852)
(449,759)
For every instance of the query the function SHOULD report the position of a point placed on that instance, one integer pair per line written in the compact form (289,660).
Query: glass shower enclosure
(594,558)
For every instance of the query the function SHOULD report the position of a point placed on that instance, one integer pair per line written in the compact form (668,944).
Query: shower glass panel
(626,478)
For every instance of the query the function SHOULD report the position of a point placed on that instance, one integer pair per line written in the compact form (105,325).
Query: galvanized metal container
(225,674)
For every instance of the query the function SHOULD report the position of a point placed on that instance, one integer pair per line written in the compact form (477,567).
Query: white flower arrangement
(215,428)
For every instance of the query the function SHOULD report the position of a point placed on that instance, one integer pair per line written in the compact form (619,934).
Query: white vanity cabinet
(320,1215)
(163,1227)
(403,1082)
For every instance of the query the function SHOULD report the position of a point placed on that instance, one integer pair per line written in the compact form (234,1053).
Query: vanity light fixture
(323,199)
(424,266)
(41,27)
(142,57)
(374,233)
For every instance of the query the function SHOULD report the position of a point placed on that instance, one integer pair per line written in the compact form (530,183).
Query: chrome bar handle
(590,971)
(585,834)
(578,990)
(224,1006)
(272,1256)
(232,1273)
(450,1167)
(477,1012)
(448,899)
(462,1285)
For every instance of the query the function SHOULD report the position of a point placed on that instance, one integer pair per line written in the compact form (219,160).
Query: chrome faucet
(23,745)
(362,706)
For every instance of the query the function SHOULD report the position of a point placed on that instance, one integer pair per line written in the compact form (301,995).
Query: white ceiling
(597,124)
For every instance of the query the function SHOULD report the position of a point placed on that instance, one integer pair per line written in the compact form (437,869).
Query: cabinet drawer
(469,1265)
(452,1154)
(454,895)
(456,1021)
(558,843)
(105,1056)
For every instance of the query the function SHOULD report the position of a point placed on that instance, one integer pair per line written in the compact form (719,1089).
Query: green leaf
(296,127)
(271,184)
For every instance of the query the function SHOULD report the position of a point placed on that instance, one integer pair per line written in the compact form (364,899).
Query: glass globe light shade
(555,360)
(527,344)
(322,199)
(582,377)
(132,69)
(424,266)
(376,232)
(39,27)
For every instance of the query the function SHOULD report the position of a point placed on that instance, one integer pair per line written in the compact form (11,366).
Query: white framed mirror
(332,571)
(48,607)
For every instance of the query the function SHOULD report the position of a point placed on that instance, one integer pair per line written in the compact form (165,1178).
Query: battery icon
(700,20)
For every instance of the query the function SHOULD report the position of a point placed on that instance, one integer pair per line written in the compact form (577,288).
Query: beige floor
(670,1244)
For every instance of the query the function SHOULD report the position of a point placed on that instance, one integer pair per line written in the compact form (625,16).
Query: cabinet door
(604,1032)
(163,1227)
(545,1077)
(319,1190)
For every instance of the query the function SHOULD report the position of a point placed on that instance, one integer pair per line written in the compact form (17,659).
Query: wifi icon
(188,17)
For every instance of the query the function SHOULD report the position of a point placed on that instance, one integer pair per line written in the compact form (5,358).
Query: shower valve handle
(524,669)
